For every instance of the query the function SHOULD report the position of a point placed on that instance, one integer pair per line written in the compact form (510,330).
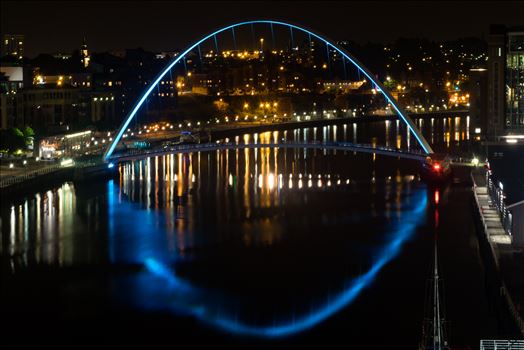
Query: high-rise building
(478,101)
(13,44)
(496,55)
(505,81)
(515,81)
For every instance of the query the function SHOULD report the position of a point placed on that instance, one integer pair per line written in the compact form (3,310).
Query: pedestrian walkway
(490,216)
(500,244)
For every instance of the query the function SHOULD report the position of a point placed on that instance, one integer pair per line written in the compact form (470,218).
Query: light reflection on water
(266,182)
(450,134)
(170,212)
(43,226)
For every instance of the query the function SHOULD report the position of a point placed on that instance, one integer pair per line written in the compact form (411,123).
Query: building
(11,82)
(505,81)
(342,86)
(7,107)
(45,106)
(516,218)
(102,107)
(84,53)
(515,81)
(64,145)
(53,107)
(478,79)
(13,45)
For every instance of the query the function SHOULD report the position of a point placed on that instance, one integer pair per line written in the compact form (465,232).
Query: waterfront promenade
(507,258)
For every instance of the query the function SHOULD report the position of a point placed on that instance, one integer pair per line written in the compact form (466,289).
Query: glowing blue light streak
(361,68)
(162,271)
(406,228)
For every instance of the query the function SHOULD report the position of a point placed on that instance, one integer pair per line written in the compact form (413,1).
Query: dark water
(270,248)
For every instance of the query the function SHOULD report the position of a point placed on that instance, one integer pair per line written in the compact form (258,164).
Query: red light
(436,167)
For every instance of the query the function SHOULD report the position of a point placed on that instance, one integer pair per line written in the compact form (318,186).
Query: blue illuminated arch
(405,118)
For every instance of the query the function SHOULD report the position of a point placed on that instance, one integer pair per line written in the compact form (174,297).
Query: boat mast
(437,329)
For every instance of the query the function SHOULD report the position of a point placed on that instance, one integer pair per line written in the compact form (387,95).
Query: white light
(271,181)
(66,162)
(78,134)
(511,140)
(11,165)
(477,130)
(475,161)
(501,186)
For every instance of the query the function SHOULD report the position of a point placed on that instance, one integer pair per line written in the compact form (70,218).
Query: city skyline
(383,22)
(278,175)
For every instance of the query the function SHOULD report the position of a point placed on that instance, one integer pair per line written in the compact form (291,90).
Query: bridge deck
(206,147)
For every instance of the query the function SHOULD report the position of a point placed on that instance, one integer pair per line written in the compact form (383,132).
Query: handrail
(43,171)
(512,308)
(21,178)
(344,146)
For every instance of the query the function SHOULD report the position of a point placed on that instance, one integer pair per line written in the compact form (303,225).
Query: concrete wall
(517,222)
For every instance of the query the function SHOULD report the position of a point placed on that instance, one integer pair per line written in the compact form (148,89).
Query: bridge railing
(498,197)
(501,344)
(29,175)
(232,145)
(12,180)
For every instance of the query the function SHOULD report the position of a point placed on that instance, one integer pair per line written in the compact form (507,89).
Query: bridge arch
(400,111)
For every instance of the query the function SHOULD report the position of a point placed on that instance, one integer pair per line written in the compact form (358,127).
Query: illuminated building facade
(515,81)
(84,53)
(505,80)
(13,44)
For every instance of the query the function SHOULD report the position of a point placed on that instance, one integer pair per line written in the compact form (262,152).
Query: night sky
(162,25)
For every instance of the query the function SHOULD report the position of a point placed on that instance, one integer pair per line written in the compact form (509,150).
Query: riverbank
(504,259)
(51,176)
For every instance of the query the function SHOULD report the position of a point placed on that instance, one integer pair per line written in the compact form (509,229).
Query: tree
(29,132)
(12,140)
(29,135)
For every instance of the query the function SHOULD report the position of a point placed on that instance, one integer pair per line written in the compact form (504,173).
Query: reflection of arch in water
(405,229)
(402,114)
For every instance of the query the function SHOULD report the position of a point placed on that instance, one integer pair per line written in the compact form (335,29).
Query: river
(264,247)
